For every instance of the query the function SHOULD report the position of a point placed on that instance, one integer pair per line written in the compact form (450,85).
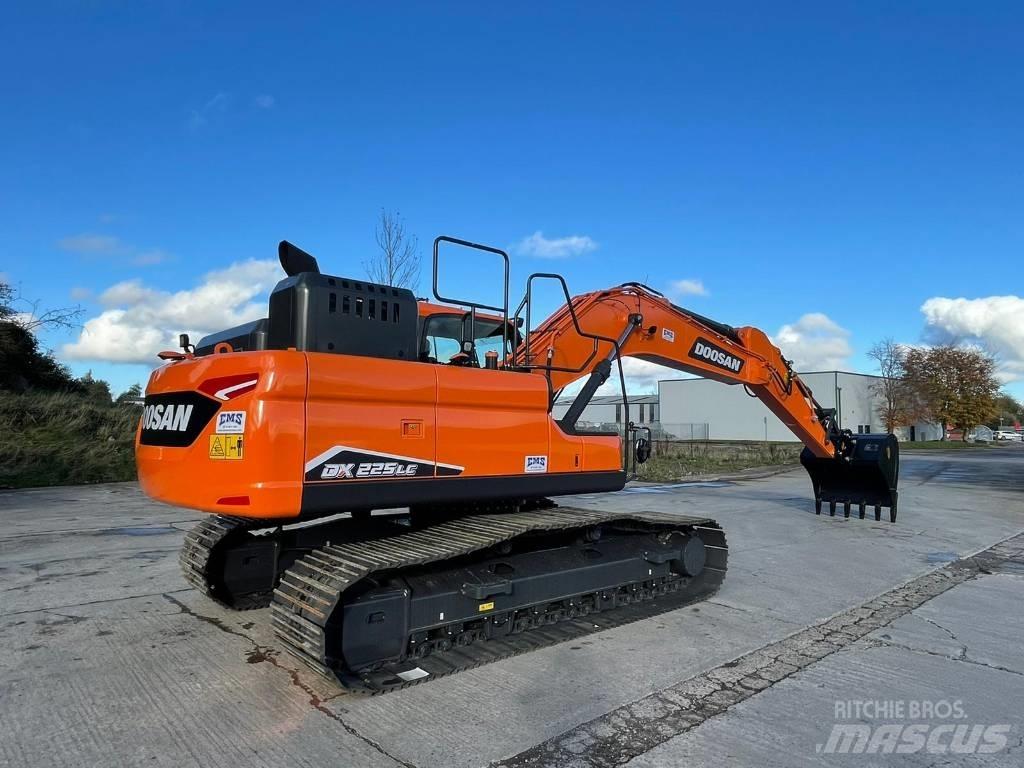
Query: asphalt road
(108,659)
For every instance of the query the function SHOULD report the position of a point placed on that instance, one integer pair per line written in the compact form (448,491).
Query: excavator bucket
(865,475)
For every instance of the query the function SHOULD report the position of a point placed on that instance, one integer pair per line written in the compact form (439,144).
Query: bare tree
(398,259)
(23,364)
(896,401)
(25,313)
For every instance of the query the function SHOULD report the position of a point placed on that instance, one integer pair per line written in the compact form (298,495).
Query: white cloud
(140,321)
(687,288)
(80,293)
(540,247)
(90,244)
(93,244)
(150,257)
(995,323)
(264,101)
(642,377)
(210,111)
(815,343)
(127,293)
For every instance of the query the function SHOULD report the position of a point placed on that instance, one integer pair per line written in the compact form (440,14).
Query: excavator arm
(590,331)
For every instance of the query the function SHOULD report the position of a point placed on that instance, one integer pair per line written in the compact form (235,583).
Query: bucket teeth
(865,473)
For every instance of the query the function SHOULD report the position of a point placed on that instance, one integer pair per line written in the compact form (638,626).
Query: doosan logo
(705,350)
(166,417)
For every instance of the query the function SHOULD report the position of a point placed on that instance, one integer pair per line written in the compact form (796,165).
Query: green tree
(95,389)
(23,365)
(6,302)
(956,386)
(131,395)
(1009,410)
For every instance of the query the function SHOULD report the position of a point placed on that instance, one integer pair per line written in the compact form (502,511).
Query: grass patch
(64,439)
(671,462)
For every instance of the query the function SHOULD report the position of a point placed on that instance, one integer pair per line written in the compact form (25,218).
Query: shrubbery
(63,439)
(56,429)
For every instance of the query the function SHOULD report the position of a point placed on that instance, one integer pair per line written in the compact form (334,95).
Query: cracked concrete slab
(911,660)
(980,622)
(119,663)
(630,731)
(117,684)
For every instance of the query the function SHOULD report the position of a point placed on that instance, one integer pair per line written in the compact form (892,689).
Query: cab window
(442,338)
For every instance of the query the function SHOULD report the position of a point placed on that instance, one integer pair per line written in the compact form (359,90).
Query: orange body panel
(269,473)
(489,421)
(309,407)
(363,402)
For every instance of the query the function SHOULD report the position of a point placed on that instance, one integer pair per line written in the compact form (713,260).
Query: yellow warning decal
(486,607)
(226,446)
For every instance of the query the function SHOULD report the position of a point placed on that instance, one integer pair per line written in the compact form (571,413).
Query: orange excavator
(379,469)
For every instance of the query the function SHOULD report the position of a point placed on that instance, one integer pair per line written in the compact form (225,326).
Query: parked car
(1007,434)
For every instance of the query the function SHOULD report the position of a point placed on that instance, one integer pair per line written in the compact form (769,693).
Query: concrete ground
(108,659)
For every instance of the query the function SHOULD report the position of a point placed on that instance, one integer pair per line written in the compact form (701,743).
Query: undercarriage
(390,600)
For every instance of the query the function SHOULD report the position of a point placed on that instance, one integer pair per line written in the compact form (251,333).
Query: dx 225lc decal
(343,462)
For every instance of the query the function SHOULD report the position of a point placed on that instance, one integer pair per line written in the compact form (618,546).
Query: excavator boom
(633,320)
(646,325)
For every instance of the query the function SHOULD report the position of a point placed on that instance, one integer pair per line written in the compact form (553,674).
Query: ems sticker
(225,446)
(231,423)
(668,334)
(536,464)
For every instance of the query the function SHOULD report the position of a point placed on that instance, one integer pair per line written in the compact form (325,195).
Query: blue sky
(821,171)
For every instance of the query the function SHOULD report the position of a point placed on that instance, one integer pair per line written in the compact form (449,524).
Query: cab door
(492,422)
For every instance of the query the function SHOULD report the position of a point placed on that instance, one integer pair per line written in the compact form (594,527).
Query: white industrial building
(607,409)
(702,409)
(731,414)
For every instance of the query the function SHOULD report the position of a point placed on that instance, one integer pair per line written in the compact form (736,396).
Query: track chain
(312,590)
(198,556)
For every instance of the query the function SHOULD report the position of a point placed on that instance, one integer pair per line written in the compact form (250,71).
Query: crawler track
(308,602)
(203,545)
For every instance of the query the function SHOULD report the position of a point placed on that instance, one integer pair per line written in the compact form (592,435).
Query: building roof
(612,399)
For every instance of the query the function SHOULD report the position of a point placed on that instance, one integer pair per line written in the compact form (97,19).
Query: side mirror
(184,343)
